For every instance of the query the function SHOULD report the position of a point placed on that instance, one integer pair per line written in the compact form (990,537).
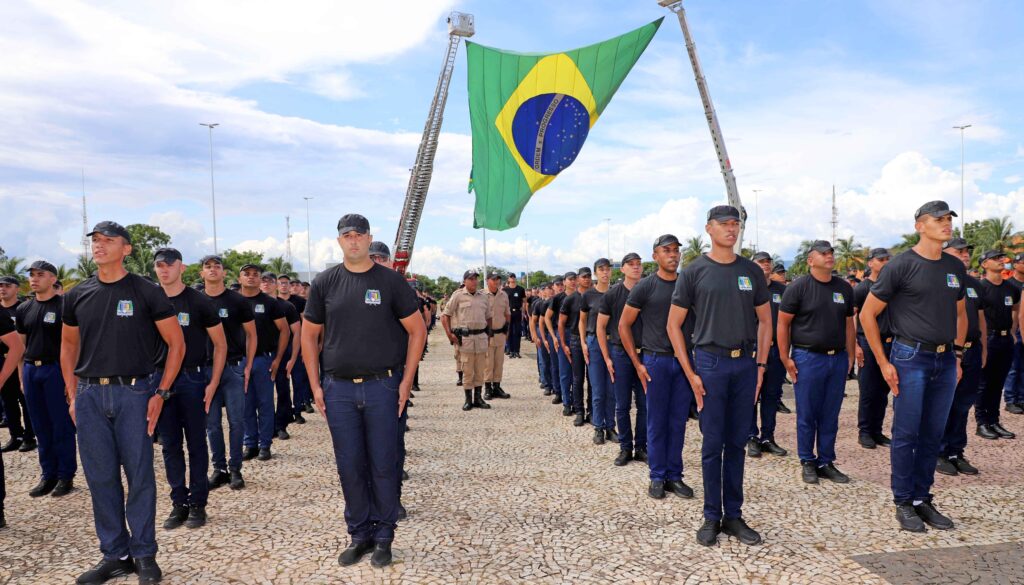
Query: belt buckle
(940,348)
(37,363)
(888,339)
(1003,332)
(830,352)
(104,381)
(357,380)
(735,353)
(968,344)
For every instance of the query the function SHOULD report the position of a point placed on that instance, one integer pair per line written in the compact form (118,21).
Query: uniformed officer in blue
(15,350)
(373,337)
(729,298)
(1002,306)
(873,390)
(774,374)
(113,324)
(816,322)
(923,289)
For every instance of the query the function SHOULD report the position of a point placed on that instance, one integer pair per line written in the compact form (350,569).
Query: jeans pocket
(901,353)
(704,360)
(392,382)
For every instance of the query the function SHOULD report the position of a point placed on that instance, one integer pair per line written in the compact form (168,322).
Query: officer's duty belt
(821,350)
(732,353)
(659,353)
(1000,332)
(932,347)
(466,331)
(500,331)
(885,338)
(367,377)
(114,380)
(40,363)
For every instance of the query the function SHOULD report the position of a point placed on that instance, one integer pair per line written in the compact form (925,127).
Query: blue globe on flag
(549,131)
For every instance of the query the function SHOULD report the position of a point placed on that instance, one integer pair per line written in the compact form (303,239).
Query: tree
(85,267)
(146,239)
(908,242)
(281,267)
(799,266)
(192,274)
(995,234)
(446,286)
(234,259)
(693,249)
(849,255)
(141,262)
(11,265)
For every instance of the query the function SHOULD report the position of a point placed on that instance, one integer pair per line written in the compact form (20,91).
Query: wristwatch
(165,394)
(765,365)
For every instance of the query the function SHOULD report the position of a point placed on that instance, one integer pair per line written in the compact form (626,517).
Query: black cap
(665,240)
(250,265)
(470,274)
(110,229)
(934,209)
(822,246)
(214,257)
(990,254)
(556,280)
(757,257)
(235,286)
(569,275)
(380,249)
(723,213)
(630,257)
(584,271)
(1018,258)
(268,276)
(295,281)
(494,276)
(10,279)
(879,253)
(601,262)
(779,268)
(166,255)
(353,222)
(42,265)
(304,283)
(956,244)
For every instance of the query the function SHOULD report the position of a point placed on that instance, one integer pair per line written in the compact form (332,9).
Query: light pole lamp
(213,198)
(962,214)
(757,228)
(309,239)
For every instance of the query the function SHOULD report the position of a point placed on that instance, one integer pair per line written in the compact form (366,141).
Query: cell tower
(85,221)
(835,216)
(288,238)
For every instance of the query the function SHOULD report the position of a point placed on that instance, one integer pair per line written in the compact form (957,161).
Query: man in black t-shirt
(668,393)
(569,333)
(922,290)
(551,308)
(184,414)
(539,337)
(874,392)
(729,299)
(114,323)
(240,332)
(373,340)
(1002,307)
(564,352)
(19,424)
(516,296)
(816,321)
(603,407)
(302,395)
(39,320)
(774,374)
(1013,388)
(284,413)
(15,350)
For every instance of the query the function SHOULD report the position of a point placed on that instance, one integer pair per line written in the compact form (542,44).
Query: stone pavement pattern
(516,494)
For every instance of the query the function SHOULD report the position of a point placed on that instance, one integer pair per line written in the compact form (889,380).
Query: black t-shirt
(922,295)
(612,304)
(653,297)
(775,292)
(723,296)
(196,314)
(555,304)
(361,314)
(974,303)
(591,303)
(291,316)
(999,301)
(298,302)
(6,325)
(571,309)
(819,311)
(265,310)
(7,314)
(233,311)
(40,322)
(515,298)
(116,325)
(860,295)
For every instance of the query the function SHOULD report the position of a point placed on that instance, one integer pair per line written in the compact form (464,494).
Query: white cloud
(1012,179)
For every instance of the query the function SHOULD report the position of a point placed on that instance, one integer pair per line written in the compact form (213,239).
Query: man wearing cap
(1013,389)
(516,295)
(668,393)
(951,459)
(730,302)
(1002,307)
(603,407)
(540,339)
(23,438)
(500,315)
(457,353)
(561,350)
(114,323)
(622,374)
(816,321)
(569,334)
(184,414)
(9,368)
(283,411)
(551,308)
(779,275)
(874,391)
(368,379)
(774,373)
(271,342)
(469,309)
(380,253)
(239,325)
(301,393)
(923,290)
(39,322)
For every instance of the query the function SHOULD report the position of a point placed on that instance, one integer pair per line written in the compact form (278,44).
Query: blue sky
(326,101)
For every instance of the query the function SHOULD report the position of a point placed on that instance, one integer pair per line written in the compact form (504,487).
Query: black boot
(459,383)
(498,391)
(469,400)
(487,391)
(478,401)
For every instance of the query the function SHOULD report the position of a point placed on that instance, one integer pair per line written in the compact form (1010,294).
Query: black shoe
(586,417)
(264,454)
(809,471)
(237,482)
(196,517)
(105,570)
(997,427)
(44,487)
(770,446)
(459,382)
(566,410)
(677,487)
(283,435)
(478,402)
(354,553)
(579,422)
(176,518)
(783,408)
(299,419)
(402,512)
(945,466)
(927,512)
(488,394)
(611,436)
(63,488)
(832,474)
(739,530)
(547,391)
(3,521)
(409,404)
(468,405)
(640,455)
(598,437)
(405,475)
(381,556)
(250,453)
(30,445)
(753,448)
(11,445)
(657,489)
(907,516)
(707,534)
(148,570)
(1014,408)
(623,458)
(309,409)
(557,399)
(881,440)
(964,466)
(499,392)
(866,441)
(219,478)
(987,432)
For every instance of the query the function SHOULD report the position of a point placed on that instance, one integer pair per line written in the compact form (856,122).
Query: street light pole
(962,214)
(309,246)
(608,237)
(213,198)
(757,228)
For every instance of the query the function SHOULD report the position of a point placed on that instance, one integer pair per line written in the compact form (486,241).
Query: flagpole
(485,253)
(527,260)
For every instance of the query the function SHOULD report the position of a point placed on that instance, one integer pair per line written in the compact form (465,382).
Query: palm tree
(908,242)
(11,265)
(695,246)
(85,267)
(849,255)
(996,234)
(799,266)
(141,262)
(65,275)
(281,267)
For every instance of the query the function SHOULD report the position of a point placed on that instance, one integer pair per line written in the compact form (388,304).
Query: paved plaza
(516,494)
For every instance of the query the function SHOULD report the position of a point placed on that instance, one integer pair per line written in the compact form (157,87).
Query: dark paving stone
(995,564)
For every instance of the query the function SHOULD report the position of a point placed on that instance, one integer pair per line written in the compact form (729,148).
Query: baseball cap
(630,257)
(1018,258)
(822,246)
(110,229)
(569,275)
(493,276)
(934,209)
(779,268)
(380,249)
(761,256)
(556,280)
(990,254)
(10,279)
(585,271)
(878,253)
(956,244)
(42,265)
(602,262)
(666,240)
(723,213)
(211,257)
(256,266)
(353,222)
(268,276)
(470,274)
(166,255)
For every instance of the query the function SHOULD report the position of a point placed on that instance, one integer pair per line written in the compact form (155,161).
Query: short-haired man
(284,413)
(19,424)
(15,350)
(874,392)
(468,308)
(1002,308)
(774,373)
(603,400)
(516,297)
(1013,389)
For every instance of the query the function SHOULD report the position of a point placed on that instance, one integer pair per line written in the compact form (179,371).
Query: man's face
(877,264)
(8,292)
(296,288)
(168,272)
(569,283)
(633,269)
(667,257)
(471,284)
(249,278)
(41,281)
(604,274)
(557,288)
(492,284)
(213,272)
(268,286)
(355,246)
(305,290)
(109,250)
(723,233)
(382,260)
(584,282)
(284,285)
(935,228)
(994,264)
(962,254)
(825,260)
(766,266)
(511,282)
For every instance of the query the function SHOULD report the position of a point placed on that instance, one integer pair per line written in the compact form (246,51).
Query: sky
(327,100)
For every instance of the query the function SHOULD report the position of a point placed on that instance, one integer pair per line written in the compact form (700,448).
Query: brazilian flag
(531,114)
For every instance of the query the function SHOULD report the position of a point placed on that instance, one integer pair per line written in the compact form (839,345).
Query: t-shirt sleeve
(860,294)
(157,303)
(1014,292)
(961,273)
(605,306)
(640,294)
(761,294)
(403,299)
(19,318)
(68,315)
(6,324)
(682,293)
(792,297)
(243,310)
(315,307)
(888,282)
(274,310)
(291,314)
(567,304)
(849,294)
(207,312)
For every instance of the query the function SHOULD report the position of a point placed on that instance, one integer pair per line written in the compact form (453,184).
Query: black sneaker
(907,516)
(997,427)
(964,466)
(657,489)
(1013,408)
(866,441)
(623,458)
(945,466)
(753,448)
(566,410)
(264,455)
(783,408)
(283,435)
(987,432)
(63,488)
(176,518)
(832,474)
(354,553)
(557,399)
(770,446)
(547,391)
(196,517)
(309,409)
(381,556)
(402,513)
(707,534)
(809,471)
(927,512)
(3,521)
(881,440)
(11,445)
(677,487)
(611,436)
(30,445)
(739,530)
(640,455)
(237,482)
(148,570)
(44,487)
(105,570)
(250,453)
(598,437)
(579,422)
(219,478)
(299,419)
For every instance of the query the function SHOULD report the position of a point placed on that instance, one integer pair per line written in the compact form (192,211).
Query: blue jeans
(564,376)
(112,435)
(579,372)
(283,414)
(993,376)
(819,387)
(48,409)
(771,393)
(303,392)
(259,405)
(1013,389)
(627,388)
(553,353)
(515,333)
(230,395)
(363,420)
(668,402)
(603,413)
(543,369)
(729,387)
(927,385)
(402,425)
(954,439)
(874,391)
(184,415)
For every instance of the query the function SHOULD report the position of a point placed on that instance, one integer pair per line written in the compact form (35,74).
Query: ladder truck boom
(459,25)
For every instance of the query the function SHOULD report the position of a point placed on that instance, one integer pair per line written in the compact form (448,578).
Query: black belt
(932,347)
(367,377)
(228,362)
(263,354)
(114,380)
(500,331)
(885,338)
(40,363)
(465,331)
(191,369)
(821,350)
(659,353)
(726,351)
(999,332)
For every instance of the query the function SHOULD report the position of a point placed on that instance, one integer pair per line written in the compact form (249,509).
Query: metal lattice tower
(288,238)
(835,216)
(459,25)
(86,248)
